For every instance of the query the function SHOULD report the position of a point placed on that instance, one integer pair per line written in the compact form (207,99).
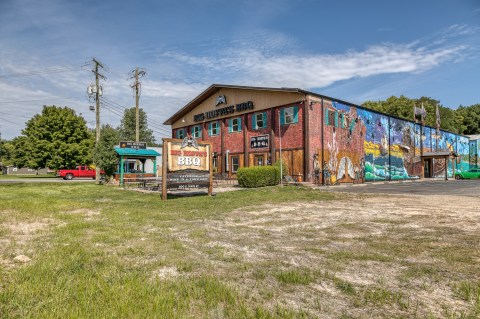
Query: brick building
(317,135)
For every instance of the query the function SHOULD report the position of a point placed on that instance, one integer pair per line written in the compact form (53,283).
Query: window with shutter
(259,120)
(213,128)
(235,125)
(181,133)
(197,131)
(290,115)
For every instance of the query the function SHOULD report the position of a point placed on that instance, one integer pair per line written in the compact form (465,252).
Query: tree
(127,127)
(470,116)
(56,138)
(403,107)
(105,156)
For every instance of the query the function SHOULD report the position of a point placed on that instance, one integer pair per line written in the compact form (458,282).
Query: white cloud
(256,67)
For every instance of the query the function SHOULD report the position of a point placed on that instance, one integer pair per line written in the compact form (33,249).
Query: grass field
(102,252)
(10,176)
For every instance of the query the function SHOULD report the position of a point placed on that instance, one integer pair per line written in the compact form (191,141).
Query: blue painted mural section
(392,147)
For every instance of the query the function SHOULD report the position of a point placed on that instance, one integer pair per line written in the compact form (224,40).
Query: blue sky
(351,50)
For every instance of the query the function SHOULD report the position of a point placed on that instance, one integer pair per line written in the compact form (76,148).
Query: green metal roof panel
(135,152)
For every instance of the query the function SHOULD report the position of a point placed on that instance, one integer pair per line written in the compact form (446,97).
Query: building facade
(319,138)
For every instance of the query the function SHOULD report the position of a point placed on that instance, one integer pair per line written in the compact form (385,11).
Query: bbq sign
(186,165)
(260,141)
(188,154)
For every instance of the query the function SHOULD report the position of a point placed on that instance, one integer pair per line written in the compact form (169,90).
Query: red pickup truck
(79,171)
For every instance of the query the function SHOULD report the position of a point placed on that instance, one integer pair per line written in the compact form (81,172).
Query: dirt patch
(397,253)
(18,236)
(166,273)
(87,213)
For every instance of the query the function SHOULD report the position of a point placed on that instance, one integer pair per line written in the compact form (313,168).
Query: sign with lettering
(240,107)
(260,141)
(187,180)
(186,165)
(135,145)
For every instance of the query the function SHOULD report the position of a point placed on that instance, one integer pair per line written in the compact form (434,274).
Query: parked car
(471,173)
(79,171)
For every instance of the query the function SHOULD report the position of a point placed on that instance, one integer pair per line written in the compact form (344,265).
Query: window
(343,122)
(289,115)
(235,163)
(331,118)
(181,133)
(259,120)
(235,125)
(213,128)
(197,131)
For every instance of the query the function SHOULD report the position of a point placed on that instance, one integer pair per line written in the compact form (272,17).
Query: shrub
(284,167)
(258,176)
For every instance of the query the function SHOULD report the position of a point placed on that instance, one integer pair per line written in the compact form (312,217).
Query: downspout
(323,141)
(389,156)
(306,143)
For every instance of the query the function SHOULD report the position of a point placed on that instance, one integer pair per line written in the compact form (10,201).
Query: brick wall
(292,134)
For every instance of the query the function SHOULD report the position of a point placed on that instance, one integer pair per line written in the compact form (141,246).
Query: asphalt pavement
(419,187)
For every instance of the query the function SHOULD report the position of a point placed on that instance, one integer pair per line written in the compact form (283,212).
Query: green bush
(284,167)
(258,176)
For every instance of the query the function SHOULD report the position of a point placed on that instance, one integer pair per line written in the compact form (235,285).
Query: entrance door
(427,168)
(259,161)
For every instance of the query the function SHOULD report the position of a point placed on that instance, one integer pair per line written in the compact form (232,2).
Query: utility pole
(97,65)
(136,85)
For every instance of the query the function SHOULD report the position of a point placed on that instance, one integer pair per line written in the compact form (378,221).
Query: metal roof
(439,154)
(135,152)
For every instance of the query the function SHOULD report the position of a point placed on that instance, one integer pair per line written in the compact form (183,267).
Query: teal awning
(136,153)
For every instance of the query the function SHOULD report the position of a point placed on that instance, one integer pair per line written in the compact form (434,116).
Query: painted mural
(361,145)
(474,153)
(344,148)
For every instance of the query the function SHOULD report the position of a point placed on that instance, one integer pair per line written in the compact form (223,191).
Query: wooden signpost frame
(165,155)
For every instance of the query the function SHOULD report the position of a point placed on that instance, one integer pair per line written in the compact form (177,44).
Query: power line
(25,117)
(150,121)
(117,106)
(5,120)
(45,71)
(120,115)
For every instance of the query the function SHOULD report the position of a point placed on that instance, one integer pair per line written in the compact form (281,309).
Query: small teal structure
(137,154)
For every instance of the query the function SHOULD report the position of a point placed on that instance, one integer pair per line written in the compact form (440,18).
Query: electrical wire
(120,115)
(45,71)
(25,117)
(5,120)
(39,100)
(151,123)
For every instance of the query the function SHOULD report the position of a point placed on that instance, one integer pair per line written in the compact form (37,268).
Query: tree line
(464,120)
(59,138)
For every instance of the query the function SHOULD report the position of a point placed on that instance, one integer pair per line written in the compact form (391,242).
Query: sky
(347,49)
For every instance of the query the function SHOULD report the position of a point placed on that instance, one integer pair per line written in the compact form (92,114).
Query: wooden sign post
(187,165)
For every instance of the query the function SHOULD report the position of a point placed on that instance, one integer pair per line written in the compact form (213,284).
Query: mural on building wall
(344,148)
(463,152)
(361,144)
(474,153)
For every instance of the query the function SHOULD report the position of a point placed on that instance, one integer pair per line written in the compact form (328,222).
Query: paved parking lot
(424,187)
